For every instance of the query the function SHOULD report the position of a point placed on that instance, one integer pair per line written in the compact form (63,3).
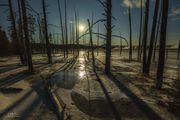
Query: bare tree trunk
(27,42)
(178,53)
(152,37)
(145,35)
(120,46)
(140,33)
(92,47)
(14,31)
(162,44)
(73,34)
(40,32)
(77,31)
(130,35)
(167,53)
(22,45)
(157,34)
(66,29)
(70,36)
(98,40)
(62,29)
(48,46)
(108,36)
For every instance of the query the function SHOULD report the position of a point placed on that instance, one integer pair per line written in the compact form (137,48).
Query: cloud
(174,12)
(133,3)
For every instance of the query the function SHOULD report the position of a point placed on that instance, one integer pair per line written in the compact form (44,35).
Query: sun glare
(81,28)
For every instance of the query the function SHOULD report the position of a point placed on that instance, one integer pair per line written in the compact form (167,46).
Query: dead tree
(120,46)
(178,53)
(22,45)
(157,33)
(145,35)
(152,37)
(107,4)
(73,36)
(130,35)
(62,28)
(91,44)
(160,69)
(26,33)
(77,31)
(14,32)
(98,40)
(140,33)
(48,46)
(66,29)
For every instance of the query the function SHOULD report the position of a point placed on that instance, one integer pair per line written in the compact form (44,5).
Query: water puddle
(65,79)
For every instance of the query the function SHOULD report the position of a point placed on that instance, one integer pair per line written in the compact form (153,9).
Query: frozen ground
(22,95)
(127,95)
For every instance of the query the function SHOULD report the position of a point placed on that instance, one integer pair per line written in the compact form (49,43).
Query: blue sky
(87,7)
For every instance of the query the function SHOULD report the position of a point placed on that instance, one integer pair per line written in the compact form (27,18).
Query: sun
(81,28)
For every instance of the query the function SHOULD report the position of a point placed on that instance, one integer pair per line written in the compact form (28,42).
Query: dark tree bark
(178,53)
(14,32)
(140,33)
(73,34)
(22,44)
(66,29)
(62,29)
(152,37)
(162,44)
(120,46)
(145,35)
(92,47)
(130,35)
(26,33)
(108,36)
(40,32)
(48,46)
(98,40)
(77,31)
(157,34)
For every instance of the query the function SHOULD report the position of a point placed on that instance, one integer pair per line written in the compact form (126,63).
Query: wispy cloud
(133,3)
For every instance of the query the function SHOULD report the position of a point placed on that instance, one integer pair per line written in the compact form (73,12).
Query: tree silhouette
(14,32)
(162,44)
(48,46)
(140,33)
(66,29)
(130,35)
(26,33)
(22,45)
(62,28)
(145,35)
(152,37)
(4,43)
(178,53)
(108,14)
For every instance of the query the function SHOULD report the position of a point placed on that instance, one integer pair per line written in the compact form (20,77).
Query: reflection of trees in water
(65,79)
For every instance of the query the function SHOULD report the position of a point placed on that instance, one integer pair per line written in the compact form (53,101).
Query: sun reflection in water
(81,74)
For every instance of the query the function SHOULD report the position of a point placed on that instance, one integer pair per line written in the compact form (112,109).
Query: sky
(88,7)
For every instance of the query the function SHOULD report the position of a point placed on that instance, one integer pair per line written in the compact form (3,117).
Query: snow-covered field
(86,95)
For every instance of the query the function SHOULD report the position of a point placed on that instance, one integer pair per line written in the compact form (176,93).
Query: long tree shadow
(43,98)
(33,99)
(7,110)
(7,81)
(148,111)
(11,67)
